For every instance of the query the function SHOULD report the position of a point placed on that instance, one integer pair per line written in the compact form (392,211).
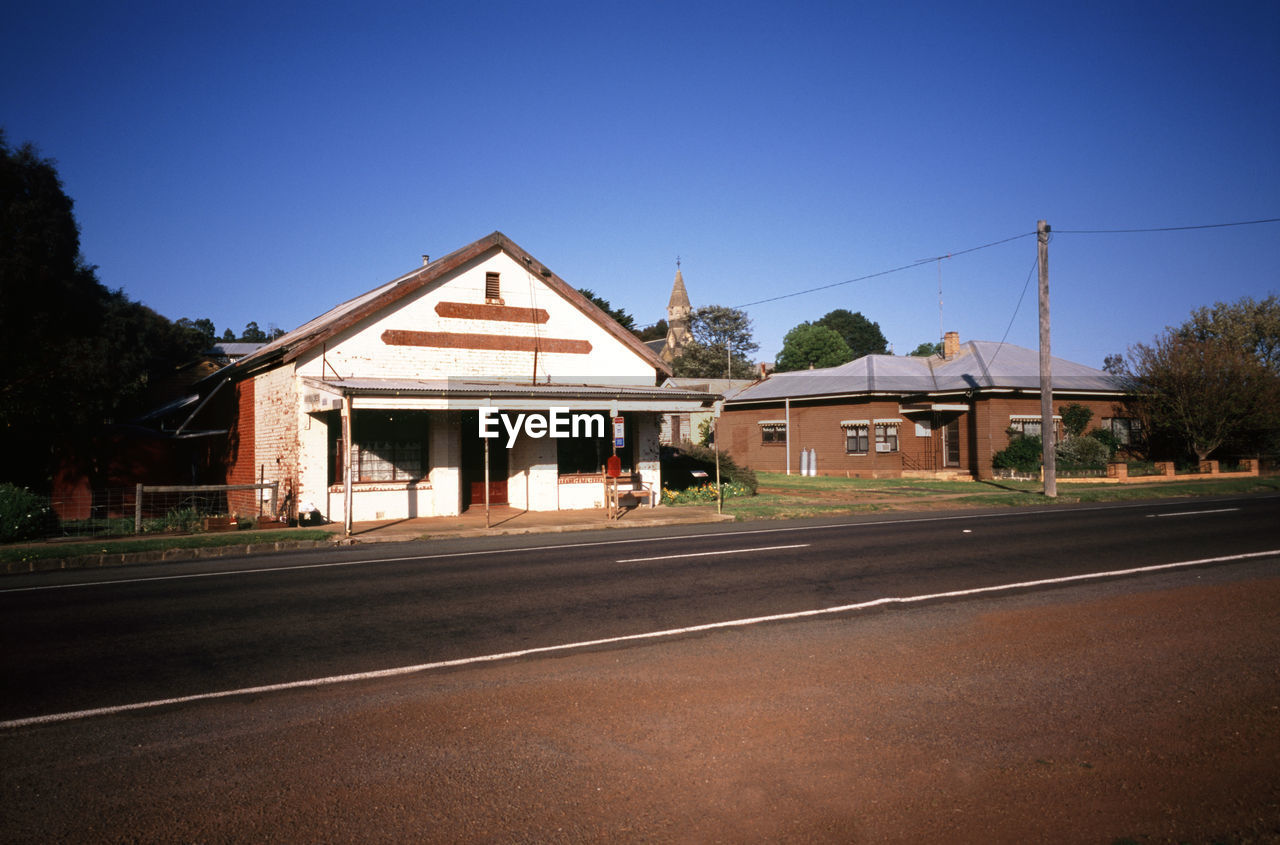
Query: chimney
(950,345)
(426,259)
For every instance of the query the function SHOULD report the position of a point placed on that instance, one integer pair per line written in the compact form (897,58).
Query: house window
(1127,430)
(389,447)
(886,437)
(1029,426)
(855,438)
(492,287)
(773,433)
(576,455)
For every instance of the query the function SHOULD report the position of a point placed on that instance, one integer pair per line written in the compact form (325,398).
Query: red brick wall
(817,426)
(242,437)
(992,420)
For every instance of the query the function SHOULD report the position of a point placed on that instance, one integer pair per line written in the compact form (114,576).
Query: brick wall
(276,432)
(817,427)
(982,432)
(991,422)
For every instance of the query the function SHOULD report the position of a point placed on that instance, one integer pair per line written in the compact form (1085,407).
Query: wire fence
(164,509)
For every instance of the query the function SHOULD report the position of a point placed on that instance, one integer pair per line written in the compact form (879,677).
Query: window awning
(930,407)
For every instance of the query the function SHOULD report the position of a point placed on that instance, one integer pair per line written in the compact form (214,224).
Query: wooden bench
(615,489)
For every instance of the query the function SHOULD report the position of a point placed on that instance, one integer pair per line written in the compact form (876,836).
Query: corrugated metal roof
(979,365)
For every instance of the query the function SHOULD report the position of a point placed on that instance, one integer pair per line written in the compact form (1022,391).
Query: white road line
(652,635)
(1194,513)
(778,530)
(709,554)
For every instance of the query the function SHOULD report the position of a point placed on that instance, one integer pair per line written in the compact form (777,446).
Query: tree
(74,354)
(1203,391)
(863,336)
(1114,364)
(228,336)
(622,317)
(809,345)
(253,334)
(1247,325)
(927,350)
(202,328)
(719,333)
(658,331)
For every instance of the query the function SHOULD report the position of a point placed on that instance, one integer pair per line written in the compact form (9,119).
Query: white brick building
(389,390)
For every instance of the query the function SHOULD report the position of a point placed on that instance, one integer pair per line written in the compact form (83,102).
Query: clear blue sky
(264,161)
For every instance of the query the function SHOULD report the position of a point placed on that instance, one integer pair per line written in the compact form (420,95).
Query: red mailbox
(613,468)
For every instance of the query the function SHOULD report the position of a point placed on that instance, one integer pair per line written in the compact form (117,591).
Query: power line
(885,272)
(939,258)
(1008,328)
(1164,228)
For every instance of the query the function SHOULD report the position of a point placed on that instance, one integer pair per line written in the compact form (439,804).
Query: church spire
(678,313)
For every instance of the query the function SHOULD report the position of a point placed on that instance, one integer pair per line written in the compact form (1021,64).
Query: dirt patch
(1084,715)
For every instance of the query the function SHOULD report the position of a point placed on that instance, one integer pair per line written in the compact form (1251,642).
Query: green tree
(74,354)
(927,350)
(253,334)
(1249,325)
(719,334)
(622,317)
(863,336)
(809,345)
(1204,391)
(203,328)
(228,336)
(658,331)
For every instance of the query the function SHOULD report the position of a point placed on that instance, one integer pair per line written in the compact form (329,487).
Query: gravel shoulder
(1144,710)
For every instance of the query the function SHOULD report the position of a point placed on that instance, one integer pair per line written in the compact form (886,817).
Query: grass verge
(789,497)
(45,551)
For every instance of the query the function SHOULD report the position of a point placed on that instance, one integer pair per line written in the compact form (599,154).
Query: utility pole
(1047,431)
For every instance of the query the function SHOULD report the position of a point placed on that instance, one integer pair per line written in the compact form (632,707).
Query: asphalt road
(77,641)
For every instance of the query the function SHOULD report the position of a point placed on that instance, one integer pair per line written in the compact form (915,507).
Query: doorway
(473,465)
(951,443)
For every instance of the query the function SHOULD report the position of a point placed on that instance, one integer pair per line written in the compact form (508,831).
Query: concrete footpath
(473,523)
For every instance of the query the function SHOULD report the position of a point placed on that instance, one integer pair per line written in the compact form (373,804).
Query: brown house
(883,416)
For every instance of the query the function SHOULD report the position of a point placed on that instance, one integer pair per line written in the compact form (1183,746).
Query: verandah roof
(459,394)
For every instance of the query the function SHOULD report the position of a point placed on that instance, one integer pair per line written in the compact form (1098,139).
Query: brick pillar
(1165,468)
(1118,471)
(1208,467)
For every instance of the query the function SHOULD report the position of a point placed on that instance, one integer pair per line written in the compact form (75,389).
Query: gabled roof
(338,319)
(979,365)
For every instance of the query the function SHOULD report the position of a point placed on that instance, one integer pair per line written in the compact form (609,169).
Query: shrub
(706,429)
(1081,452)
(177,521)
(24,515)
(1023,454)
(1075,419)
(679,463)
(1107,438)
(704,494)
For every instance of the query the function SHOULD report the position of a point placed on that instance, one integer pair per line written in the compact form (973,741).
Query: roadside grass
(788,497)
(63,549)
